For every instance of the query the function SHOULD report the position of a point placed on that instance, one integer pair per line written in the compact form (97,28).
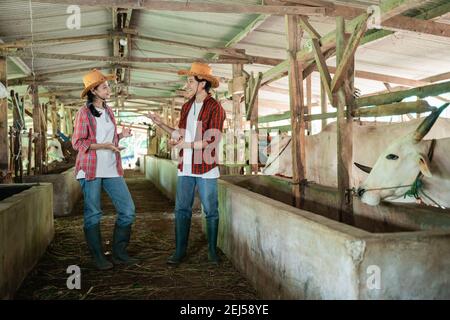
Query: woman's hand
(112,147)
(126,132)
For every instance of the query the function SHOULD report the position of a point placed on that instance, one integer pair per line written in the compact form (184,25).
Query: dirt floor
(152,241)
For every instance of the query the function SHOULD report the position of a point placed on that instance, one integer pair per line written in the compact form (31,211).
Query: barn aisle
(152,240)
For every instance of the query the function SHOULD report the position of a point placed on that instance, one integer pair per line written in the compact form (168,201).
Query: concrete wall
(388,217)
(289,253)
(66,190)
(26,229)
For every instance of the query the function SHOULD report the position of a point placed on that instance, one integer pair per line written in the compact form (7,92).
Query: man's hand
(154,117)
(176,135)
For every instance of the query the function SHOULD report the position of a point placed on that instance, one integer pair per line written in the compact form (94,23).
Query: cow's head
(54,151)
(398,165)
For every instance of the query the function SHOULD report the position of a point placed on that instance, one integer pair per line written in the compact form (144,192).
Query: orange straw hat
(202,71)
(93,79)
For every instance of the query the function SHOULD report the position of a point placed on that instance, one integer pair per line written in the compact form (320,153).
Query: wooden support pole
(344,135)
(5,175)
(297,109)
(63,116)
(37,129)
(323,105)
(18,124)
(54,116)
(44,116)
(254,134)
(308,108)
(69,120)
(173,122)
(236,118)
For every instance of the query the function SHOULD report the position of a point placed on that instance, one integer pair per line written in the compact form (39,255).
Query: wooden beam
(328,41)
(438,77)
(421,92)
(322,67)
(348,54)
(46,42)
(196,7)
(402,23)
(255,23)
(220,51)
(309,28)
(119,60)
(5,175)
(398,108)
(391,8)
(254,95)
(297,109)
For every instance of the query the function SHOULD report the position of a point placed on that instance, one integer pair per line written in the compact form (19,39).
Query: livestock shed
(237,150)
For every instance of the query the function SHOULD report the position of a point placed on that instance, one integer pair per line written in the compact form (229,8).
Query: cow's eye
(392,157)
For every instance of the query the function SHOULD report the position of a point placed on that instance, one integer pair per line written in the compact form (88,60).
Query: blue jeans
(117,190)
(207,188)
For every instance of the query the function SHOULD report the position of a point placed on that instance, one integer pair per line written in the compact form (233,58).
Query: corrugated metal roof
(404,54)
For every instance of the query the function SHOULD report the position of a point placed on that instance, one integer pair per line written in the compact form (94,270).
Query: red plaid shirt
(212,116)
(83,136)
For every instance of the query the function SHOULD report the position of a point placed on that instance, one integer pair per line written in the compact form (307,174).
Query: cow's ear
(424,165)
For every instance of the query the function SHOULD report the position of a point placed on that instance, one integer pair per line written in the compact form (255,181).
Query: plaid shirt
(212,116)
(83,136)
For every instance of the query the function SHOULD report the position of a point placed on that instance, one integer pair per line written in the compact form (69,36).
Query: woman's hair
(90,103)
(207,85)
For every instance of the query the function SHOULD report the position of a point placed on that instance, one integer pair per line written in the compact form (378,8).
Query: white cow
(398,166)
(54,151)
(369,140)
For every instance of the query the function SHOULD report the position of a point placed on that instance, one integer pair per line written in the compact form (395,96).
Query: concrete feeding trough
(26,229)
(393,251)
(66,190)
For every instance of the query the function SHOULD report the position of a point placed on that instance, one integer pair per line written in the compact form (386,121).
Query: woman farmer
(98,165)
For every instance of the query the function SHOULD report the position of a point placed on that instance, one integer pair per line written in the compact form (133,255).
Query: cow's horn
(428,123)
(363,167)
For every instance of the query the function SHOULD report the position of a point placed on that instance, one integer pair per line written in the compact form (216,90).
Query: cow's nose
(360,192)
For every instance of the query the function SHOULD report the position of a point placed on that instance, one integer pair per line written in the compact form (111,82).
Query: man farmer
(197,137)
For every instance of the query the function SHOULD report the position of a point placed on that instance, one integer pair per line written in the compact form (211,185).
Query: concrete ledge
(288,253)
(26,229)
(66,190)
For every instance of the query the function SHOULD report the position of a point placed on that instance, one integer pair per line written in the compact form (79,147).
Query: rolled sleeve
(80,137)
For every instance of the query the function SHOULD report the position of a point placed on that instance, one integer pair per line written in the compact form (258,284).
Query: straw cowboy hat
(93,79)
(202,71)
